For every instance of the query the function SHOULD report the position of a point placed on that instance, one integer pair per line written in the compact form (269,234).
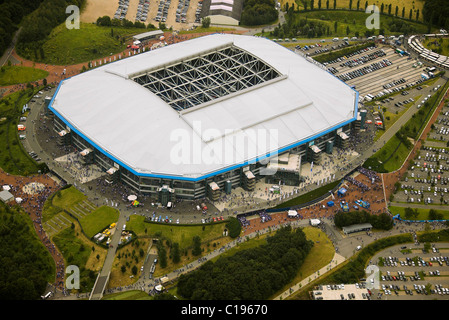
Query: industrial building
(225,12)
(203,116)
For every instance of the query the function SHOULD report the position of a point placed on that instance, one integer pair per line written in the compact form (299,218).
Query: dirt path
(33,203)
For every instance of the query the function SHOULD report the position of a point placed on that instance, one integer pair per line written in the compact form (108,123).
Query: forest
(25,264)
(37,26)
(258,12)
(251,274)
(12,12)
(436,12)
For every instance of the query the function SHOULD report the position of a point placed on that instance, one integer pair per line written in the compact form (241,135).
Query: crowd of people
(33,192)
(358,183)
(369,173)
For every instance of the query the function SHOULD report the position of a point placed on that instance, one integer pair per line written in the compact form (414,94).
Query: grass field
(99,219)
(391,157)
(423,214)
(356,22)
(13,157)
(182,234)
(10,75)
(344,4)
(390,118)
(63,199)
(309,196)
(320,255)
(440,46)
(71,46)
(80,251)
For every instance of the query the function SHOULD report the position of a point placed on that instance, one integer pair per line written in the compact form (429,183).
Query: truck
(362,203)
(344,206)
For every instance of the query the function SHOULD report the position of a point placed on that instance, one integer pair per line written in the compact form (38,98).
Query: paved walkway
(337,259)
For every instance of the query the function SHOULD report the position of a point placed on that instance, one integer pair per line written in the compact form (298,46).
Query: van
(124,227)
(335,39)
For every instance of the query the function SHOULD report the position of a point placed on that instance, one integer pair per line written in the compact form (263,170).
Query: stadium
(203,116)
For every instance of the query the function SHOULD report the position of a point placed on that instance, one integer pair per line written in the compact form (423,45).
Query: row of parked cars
(363,59)
(394,83)
(181,11)
(365,70)
(403,103)
(142,10)
(349,55)
(162,10)
(122,9)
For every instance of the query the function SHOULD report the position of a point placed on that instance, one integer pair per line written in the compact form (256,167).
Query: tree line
(310,5)
(436,12)
(251,274)
(258,12)
(12,13)
(37,26)
(25,264)
(381,221)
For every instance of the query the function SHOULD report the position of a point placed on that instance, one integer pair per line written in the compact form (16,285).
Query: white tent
(314,222)
(292,213)
(6,187)
(159,287)
(19,200)
(132,197)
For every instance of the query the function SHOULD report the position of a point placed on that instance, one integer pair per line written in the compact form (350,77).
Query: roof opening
(207,77)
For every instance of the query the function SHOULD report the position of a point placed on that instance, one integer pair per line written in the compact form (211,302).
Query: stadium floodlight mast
(373,21)
(72,21)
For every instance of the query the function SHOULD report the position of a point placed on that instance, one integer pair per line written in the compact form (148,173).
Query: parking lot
(407,272)
(179,14)
(427,179)
(370,69)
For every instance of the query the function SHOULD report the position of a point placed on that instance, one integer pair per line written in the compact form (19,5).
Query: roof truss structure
(207,77)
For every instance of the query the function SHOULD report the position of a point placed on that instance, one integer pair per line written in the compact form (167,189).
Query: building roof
(230,8)
(143,132)
(6,196)
(145,35)
(357,227)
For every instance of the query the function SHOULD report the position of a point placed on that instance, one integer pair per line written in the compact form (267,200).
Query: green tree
(205,22)
(176,254)
(196,251)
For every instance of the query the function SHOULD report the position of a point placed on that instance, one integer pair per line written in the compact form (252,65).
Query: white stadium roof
(119,107)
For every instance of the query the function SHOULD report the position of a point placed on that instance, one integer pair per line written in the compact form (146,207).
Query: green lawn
(344,4)
(63,199)
(13,157)
(389,158)
(71,46)
(440,46)
(312,195)
(68,197)
(393,154)
(356,20)
(10,75)
(182,234)
(423,214)
(98,220)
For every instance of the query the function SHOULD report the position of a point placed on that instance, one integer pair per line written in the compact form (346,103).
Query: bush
(234,227)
